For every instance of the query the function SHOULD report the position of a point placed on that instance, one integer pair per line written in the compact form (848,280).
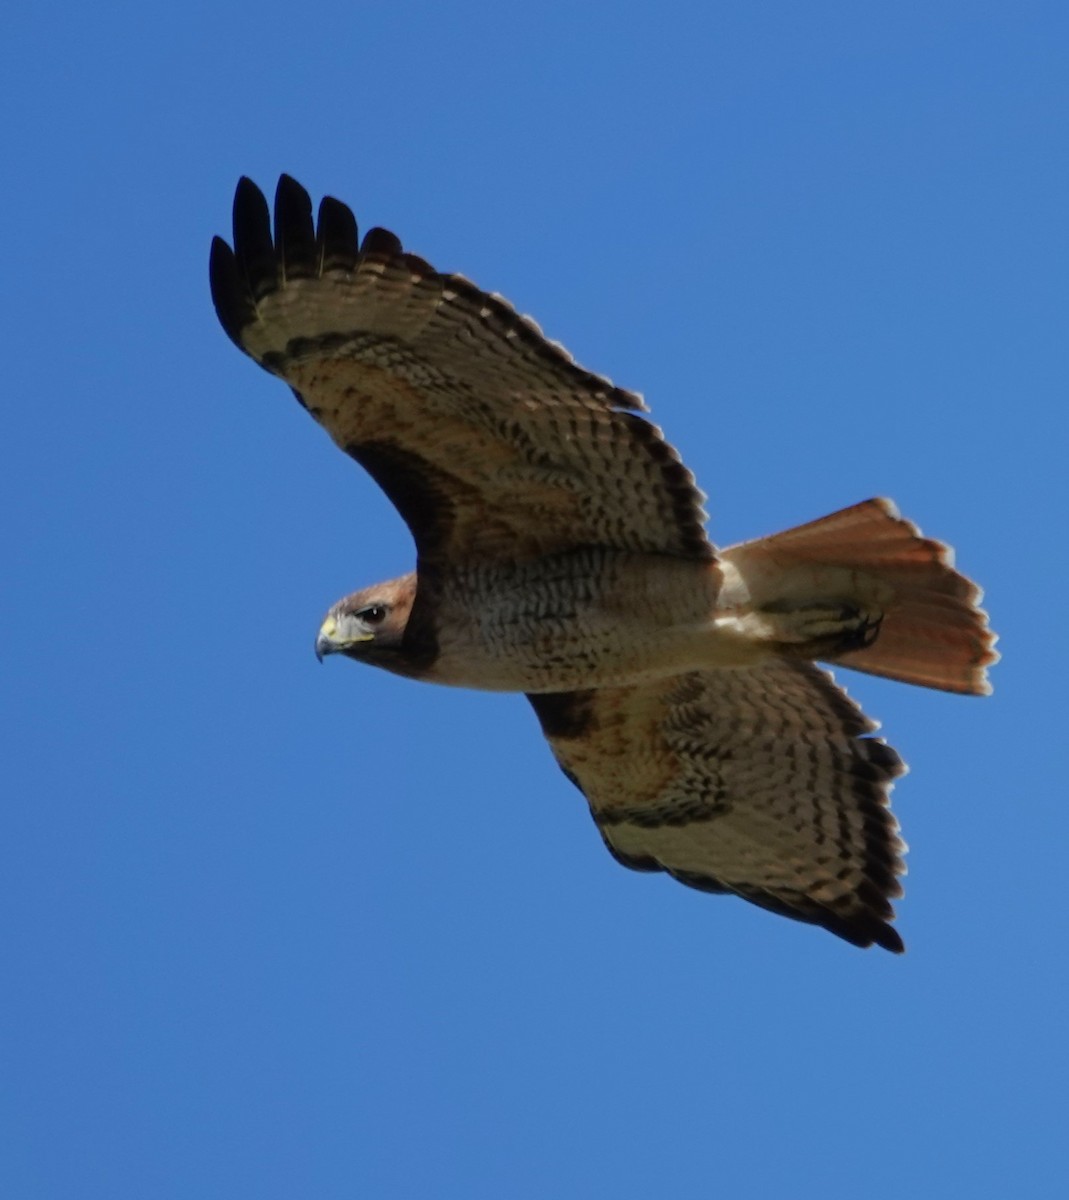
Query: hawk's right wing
(490,440)
(756,781)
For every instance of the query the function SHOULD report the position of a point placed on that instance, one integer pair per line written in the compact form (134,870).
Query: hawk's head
(370,624)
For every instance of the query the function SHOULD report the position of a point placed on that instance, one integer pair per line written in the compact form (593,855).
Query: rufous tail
(933,632)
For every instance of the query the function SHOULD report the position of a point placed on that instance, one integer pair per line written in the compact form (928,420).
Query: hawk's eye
(373,615)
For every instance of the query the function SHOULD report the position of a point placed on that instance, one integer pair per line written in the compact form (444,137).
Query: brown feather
(933,632)
(760,781)
(530,452)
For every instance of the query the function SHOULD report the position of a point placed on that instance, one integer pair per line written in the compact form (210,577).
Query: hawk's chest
(584,619)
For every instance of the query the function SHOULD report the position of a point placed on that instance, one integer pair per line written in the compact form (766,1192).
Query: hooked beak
(328,640)
(324,645)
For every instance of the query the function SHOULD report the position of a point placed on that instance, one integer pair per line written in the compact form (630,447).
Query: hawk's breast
(590,618)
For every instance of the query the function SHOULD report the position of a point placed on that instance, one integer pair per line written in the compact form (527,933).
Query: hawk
(561,552)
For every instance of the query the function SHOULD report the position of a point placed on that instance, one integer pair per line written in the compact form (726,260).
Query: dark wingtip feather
(233,305)
(417,265)
(253,247)
(295,239)
(890,939)
(380,243)
(866,930)
(338,240)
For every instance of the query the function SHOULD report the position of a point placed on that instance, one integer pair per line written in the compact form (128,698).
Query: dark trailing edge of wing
(863,929)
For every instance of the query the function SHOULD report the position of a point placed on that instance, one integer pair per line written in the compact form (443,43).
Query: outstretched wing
(755,781)
(488,438)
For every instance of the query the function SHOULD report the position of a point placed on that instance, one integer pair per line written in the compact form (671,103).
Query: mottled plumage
(561,552)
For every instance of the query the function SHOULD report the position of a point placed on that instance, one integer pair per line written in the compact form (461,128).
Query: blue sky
(273,929)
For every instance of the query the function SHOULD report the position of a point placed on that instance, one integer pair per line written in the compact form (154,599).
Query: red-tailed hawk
(561,553)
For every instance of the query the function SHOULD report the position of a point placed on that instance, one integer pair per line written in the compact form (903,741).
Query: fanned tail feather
(933,632)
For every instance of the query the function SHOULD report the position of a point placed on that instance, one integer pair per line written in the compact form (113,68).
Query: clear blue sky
(272,929)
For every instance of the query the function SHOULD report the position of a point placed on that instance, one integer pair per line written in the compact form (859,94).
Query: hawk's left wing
(756,781)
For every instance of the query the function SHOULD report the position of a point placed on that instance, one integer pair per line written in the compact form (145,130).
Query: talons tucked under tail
(930,631)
